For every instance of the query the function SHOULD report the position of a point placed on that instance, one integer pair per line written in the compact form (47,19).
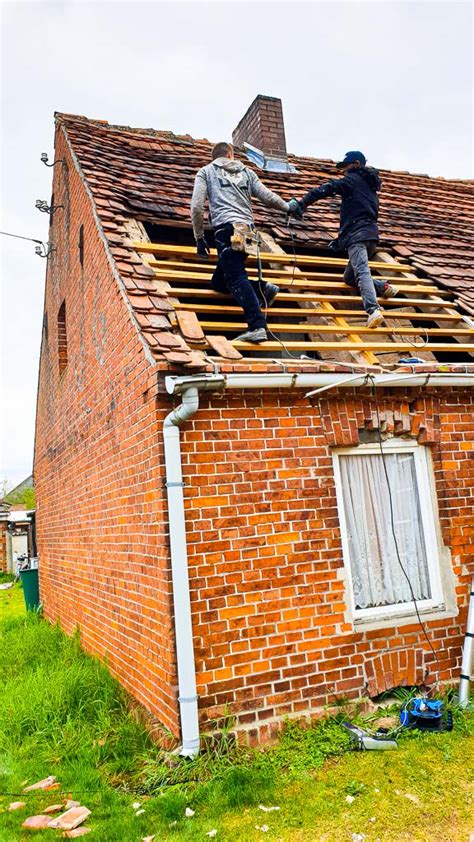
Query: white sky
(392,79)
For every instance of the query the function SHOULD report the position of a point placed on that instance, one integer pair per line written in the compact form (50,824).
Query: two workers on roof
(228,185)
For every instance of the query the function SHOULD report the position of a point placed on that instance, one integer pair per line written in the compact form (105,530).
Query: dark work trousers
(357,274)
(230,276)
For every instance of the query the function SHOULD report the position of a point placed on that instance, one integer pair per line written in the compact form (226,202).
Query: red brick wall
(262,126)
(100,518)
(271,637)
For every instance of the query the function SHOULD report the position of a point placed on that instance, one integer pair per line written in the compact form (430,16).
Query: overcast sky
(392,79)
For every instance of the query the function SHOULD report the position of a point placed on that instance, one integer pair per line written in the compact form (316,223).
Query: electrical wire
(261,283)
(294,250)
(392,523)
(422,344)
(19,237)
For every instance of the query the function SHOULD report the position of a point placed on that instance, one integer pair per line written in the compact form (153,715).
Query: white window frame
(428,517)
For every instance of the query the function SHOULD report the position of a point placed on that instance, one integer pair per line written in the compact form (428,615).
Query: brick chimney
(262,126)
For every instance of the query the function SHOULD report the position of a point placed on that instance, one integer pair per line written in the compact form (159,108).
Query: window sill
(403,618)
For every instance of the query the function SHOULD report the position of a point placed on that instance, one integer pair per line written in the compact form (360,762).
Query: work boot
(270,293)
(375,319)
(259,335)
(390,291)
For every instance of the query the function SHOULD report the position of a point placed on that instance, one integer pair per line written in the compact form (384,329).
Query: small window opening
(81,245)
(62,338)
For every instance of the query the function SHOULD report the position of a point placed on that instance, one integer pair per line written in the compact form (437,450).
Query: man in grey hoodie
(229,186)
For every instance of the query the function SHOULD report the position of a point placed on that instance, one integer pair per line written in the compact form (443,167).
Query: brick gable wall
(100,520)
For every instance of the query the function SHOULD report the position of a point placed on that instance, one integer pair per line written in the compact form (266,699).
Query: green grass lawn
(61,713)
(12,603)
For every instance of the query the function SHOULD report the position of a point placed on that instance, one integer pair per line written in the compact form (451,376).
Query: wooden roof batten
(184,275)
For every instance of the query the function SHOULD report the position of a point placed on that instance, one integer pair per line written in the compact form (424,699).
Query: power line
(19,237)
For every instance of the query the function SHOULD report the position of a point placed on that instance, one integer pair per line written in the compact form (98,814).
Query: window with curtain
(370,550)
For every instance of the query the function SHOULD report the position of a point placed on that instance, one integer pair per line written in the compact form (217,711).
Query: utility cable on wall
(42,249)
(19,237)
(392,523)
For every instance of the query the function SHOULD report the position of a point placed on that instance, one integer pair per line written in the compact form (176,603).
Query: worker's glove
(202,248)
(334,245)
(295,209)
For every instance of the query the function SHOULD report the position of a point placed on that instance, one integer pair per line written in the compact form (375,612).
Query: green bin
(29,580)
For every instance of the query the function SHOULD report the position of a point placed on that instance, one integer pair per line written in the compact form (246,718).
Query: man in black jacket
(358,231)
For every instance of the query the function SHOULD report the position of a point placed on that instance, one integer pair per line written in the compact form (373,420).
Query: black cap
(351,158)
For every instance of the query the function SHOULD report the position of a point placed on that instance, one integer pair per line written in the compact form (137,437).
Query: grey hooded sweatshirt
(229,186)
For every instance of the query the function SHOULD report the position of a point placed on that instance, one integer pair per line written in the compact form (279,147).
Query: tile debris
(36,822)
(47,783)
(71,818)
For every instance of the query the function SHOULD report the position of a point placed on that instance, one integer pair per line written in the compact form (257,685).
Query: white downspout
(179,567)
(466,666)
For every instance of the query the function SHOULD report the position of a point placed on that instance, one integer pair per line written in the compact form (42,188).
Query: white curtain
(377,577)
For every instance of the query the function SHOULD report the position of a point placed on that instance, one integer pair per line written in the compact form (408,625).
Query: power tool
(427,715)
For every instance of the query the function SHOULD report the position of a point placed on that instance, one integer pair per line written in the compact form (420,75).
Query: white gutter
(176,385)
(189,387)
(179,567)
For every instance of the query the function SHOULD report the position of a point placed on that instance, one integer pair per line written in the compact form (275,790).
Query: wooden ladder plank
(275,312)
(299,282)
(197,268)
(301,259)
(199,292)
(388,347)
(316,328)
